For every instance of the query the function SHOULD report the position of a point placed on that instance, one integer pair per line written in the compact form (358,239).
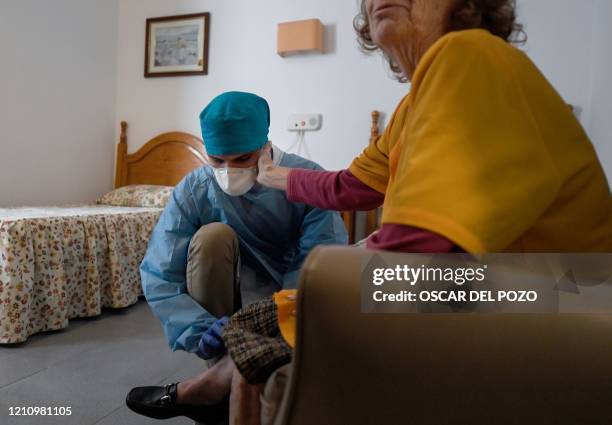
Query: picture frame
(177,45)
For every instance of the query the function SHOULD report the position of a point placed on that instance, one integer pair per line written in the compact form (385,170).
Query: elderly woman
(482,155)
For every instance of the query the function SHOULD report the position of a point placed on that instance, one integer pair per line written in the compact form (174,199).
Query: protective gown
(275,237)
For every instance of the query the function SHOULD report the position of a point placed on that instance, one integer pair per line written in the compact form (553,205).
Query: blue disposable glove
(211,344)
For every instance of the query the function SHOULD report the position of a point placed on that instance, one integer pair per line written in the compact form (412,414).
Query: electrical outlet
(304,122)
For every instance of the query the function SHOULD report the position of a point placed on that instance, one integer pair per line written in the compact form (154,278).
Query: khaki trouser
(213,280)
(213,266)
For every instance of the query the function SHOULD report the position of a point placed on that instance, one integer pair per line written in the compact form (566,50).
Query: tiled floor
(90,366)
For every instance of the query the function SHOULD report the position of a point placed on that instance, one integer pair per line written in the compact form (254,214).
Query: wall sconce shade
(300,37)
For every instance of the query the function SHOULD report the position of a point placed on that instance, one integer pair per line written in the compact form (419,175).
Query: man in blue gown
(223,240)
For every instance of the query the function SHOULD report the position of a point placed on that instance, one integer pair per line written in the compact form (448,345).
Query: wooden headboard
(167,158)
(163,160)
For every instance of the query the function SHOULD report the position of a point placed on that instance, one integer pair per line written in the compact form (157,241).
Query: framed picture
(177,45)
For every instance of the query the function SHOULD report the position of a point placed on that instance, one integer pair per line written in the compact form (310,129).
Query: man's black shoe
(160,403)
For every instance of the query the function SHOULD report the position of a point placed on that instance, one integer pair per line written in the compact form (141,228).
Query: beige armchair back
(353,368)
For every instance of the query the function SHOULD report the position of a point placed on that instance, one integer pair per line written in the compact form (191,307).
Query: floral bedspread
(58,263)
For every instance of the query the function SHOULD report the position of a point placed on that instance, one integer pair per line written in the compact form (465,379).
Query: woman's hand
(269,174)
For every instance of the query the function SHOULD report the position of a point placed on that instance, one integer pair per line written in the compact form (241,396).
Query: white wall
(601,86)
(560,42)
(57,80)
(570,41)
(343,85)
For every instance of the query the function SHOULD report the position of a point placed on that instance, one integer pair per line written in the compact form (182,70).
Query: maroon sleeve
(331,190)
(400,238)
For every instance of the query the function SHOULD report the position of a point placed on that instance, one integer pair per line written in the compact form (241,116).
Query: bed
(59,263)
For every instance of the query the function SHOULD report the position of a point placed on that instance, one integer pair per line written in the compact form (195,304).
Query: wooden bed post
(374,129)
(372,216)
(121,167)
(349,222)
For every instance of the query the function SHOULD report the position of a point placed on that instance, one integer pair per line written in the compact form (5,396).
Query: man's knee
(213,240)
(211,268)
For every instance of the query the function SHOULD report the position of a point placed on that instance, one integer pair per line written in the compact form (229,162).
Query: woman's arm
(344,192)
(331,190)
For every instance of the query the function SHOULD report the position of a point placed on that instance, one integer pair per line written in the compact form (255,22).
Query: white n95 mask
(236,181)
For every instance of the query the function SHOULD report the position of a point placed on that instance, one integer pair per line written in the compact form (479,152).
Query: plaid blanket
(254,341)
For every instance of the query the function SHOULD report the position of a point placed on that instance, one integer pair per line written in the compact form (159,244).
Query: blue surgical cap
(235,122)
